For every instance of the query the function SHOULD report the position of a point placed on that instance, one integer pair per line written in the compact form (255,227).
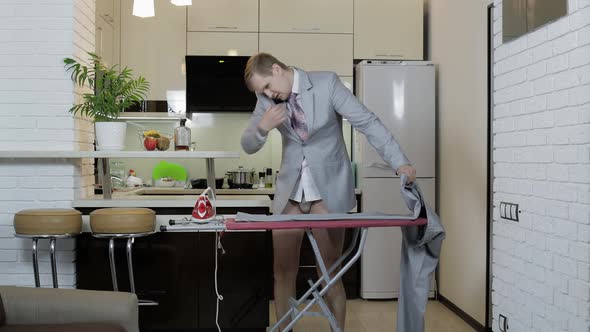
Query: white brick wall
(35,95)
(541,265)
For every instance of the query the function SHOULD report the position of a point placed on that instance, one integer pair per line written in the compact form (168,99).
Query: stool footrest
(147,303)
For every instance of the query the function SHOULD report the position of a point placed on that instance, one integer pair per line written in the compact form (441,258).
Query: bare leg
(330,242)
(286,248)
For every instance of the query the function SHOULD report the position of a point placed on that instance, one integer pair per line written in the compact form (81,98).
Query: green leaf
(114,89)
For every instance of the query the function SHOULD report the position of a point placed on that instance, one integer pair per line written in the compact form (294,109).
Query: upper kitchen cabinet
(223,15)
(221,43)
(388,29)
(105,9)
(332,52)
(309,16)
(155,47)
(105,42)
(106,36)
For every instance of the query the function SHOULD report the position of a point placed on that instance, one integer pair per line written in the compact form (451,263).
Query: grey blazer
(325,100)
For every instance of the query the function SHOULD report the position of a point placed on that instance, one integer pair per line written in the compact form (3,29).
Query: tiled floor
(376,316)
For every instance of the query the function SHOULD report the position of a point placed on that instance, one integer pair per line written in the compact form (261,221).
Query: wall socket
(509,211)
(503,323)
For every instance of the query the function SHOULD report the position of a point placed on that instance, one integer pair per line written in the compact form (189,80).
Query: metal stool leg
(36,263)
(130,264)
(53,264)
(131,277)
(112,261)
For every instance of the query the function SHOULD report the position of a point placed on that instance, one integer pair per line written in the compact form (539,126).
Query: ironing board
(360,227)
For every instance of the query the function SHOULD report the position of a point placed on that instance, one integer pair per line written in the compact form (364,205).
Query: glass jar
(117,170)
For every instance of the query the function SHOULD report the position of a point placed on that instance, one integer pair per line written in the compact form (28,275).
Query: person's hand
(409,171)
(273,117)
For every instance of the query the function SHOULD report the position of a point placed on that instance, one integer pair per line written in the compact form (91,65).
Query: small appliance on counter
(240,178)
(204,209)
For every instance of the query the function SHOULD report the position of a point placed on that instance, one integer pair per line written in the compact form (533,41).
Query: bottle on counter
(225,184)
(261,184)
(268,179)
(182,137)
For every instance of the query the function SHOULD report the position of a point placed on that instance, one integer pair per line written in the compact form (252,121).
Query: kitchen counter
(152,191)
(170,198)
(132,199)
(169,207)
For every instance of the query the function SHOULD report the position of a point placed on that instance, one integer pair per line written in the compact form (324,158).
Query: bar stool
(125,223)
(49,224)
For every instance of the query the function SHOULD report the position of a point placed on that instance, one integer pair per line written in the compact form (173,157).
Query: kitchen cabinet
(331,52)
(155,47)
(177,270)
(105,42)
(223,15)
(306,16)
(388,29)
(105,9)
(222,43)
(244,279)
(107,32)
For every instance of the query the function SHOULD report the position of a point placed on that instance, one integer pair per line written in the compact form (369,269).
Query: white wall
(457,37)
(541,265)
(35,94)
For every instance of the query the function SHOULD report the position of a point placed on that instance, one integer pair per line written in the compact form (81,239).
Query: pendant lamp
(143,8)
(182,2)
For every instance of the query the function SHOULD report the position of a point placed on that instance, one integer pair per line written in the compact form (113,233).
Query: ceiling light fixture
(181,2)
(143,8)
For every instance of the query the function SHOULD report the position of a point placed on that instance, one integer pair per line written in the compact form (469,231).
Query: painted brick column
(35,95)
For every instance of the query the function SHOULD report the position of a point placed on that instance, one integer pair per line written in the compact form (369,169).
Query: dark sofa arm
(24,305)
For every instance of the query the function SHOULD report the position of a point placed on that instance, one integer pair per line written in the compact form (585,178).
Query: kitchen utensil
(204,209)
(241,177)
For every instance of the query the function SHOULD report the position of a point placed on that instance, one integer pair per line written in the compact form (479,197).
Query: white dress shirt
(306,190)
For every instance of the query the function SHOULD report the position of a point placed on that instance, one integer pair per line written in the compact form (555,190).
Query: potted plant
(113,91)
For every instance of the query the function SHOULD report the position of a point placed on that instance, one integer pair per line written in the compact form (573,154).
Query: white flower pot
(110,136)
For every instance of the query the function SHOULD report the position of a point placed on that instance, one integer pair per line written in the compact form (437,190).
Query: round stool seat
(48,222)
(122,221)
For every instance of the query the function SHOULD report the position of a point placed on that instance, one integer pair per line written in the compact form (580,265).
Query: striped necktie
(297,117)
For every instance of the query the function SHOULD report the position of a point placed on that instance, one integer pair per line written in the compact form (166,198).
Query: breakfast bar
(176,270)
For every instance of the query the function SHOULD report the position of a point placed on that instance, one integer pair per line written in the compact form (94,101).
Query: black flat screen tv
(216,84)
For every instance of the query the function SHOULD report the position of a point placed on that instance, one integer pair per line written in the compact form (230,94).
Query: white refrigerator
(402,95)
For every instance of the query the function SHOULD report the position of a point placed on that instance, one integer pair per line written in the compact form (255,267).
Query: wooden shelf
(118,154)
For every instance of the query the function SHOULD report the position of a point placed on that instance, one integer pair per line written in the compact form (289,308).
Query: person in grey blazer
(315,174)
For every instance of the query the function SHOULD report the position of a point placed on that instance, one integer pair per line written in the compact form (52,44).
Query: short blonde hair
(260,64)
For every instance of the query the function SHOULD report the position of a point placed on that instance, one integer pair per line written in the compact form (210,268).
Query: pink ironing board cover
(232,224)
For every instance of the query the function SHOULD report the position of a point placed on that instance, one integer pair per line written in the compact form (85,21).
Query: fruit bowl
(153,140)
